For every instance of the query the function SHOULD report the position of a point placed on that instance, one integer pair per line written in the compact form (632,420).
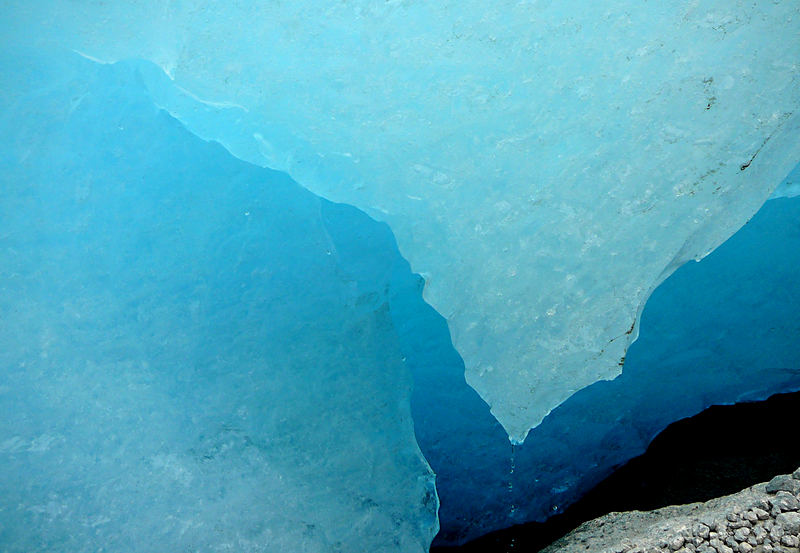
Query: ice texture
(719,331)
(544,165)
(790,186)
(187,362)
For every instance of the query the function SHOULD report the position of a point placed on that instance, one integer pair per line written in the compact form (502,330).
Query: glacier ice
(543,164)
(188,363)
(718,331)
(790,186)
(715,332)
(543,190)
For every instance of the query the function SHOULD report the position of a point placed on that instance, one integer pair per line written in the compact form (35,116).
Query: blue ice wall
(543,163)
(188,339)
(187,362)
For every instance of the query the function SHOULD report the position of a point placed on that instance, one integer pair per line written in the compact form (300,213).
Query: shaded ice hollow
(544,165)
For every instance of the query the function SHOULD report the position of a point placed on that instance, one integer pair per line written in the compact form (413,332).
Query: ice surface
(187,362)
(543,164)
(790,186)
(718,331)
(723,330)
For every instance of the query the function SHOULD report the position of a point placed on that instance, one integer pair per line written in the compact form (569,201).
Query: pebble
(790,522)
(786,501)
(762,504)
(776,533)
(760,513)
(784,482)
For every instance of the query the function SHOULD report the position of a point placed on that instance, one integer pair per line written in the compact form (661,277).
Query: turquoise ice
(186,361)
(544,165)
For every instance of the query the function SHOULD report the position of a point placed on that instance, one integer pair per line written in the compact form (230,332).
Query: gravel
(762,519)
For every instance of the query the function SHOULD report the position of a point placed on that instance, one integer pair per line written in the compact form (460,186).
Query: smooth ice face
(544,165)
(790,186)
(187,362)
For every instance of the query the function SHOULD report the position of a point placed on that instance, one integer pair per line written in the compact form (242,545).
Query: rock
(786,501)
(677,543)
(701,530)
(790,522)
(761,513)
(784,482)
(796,474)
(790,541)
(745,548)
(741,534)
(751,517)
(762,503)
